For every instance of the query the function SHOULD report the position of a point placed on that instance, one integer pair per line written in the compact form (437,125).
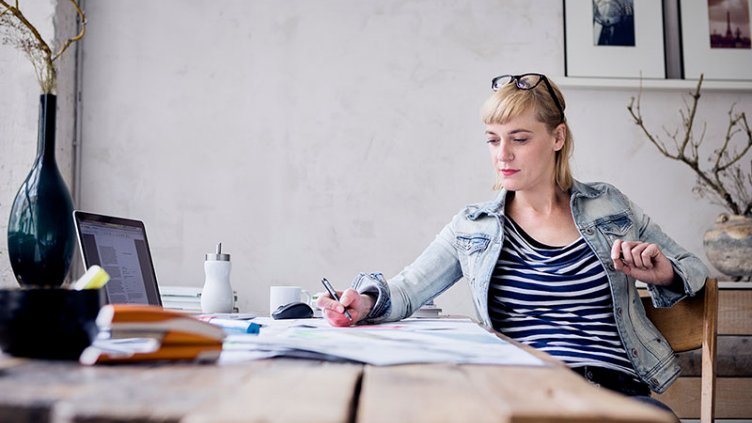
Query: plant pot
(49,323)
(728,245)
(40,228)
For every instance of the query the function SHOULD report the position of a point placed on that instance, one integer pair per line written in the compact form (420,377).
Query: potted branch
(727,181)
(40,227)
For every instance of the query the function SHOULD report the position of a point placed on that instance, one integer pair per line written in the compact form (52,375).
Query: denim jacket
(469,246)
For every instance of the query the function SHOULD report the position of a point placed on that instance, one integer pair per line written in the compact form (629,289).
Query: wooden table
(286,390)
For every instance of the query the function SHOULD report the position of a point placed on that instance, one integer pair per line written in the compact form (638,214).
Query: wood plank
(682,324)
(286,391)
(432,393)
(734,285)
(735,312)
(709,353)
(450,393)
(33,413)
(734,358)
(45,391)
(33,389)
(732,398)
(151,393)
(15,409)
(7,361)
(556,394)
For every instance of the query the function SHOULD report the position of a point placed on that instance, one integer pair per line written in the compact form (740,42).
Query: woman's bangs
(505,105)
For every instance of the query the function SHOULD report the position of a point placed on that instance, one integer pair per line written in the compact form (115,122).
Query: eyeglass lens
(500,81)
(528,82)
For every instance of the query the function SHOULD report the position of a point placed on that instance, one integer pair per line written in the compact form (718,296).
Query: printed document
(443,340)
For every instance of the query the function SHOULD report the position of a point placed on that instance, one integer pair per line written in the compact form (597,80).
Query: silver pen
(333,294)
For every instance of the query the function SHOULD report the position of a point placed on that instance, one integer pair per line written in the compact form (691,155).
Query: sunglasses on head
(527,81)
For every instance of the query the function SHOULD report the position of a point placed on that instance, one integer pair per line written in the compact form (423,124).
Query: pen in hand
(333,294)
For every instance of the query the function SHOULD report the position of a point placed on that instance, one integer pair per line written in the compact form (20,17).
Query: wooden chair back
(688,325)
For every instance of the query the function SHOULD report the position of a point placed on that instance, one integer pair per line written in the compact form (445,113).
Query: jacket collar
(580,189)
(492,208)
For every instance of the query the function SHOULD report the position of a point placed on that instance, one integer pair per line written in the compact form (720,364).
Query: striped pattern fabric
(557,300)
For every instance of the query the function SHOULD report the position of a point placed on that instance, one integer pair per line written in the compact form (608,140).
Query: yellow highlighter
(94,278)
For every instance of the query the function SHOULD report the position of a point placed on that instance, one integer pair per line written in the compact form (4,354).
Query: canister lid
(218,256)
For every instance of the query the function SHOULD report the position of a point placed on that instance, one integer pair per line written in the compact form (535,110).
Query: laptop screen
(120,247)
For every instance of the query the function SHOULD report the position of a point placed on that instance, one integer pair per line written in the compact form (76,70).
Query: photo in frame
(716,39)
(614,39)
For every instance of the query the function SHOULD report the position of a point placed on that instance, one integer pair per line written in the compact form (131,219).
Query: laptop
(119,246)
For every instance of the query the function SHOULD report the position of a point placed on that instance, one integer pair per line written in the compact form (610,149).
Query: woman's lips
(509,172)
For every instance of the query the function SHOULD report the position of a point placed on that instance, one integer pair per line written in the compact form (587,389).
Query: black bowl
(51,323)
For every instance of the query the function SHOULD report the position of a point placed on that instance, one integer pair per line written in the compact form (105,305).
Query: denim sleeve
(374,284)
(433,272)
(689,271)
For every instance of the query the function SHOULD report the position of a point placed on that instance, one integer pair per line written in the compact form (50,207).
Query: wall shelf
(651,84)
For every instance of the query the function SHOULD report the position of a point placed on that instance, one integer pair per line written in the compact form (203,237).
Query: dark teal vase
(40,229)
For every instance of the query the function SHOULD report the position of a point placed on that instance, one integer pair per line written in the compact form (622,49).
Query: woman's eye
(520,139)
(492,141)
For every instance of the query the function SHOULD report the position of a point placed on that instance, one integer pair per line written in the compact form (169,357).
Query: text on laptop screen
(123,252)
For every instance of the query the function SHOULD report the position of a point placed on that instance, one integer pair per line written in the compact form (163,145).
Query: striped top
(557,300)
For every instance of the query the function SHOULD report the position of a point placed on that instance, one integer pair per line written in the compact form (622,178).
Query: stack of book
(131,333)
(186,298)
(429,310)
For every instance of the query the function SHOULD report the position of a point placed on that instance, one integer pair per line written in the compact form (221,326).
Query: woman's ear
(560,135)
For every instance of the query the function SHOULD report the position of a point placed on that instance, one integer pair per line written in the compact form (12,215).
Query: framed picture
(614,38)
(716,39)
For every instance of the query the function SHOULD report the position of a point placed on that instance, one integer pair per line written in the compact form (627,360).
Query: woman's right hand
(358,305)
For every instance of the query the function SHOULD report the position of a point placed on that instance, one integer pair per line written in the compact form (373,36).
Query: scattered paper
(444,340)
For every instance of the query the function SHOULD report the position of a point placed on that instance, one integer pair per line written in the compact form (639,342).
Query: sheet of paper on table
(443,340)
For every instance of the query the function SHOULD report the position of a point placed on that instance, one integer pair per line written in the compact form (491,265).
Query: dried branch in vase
(16,30)
(728,180)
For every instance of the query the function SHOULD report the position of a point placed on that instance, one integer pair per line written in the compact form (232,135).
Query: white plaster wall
(331,137)
(19,102)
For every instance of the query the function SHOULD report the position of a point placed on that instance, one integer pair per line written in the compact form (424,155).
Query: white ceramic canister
(216,296)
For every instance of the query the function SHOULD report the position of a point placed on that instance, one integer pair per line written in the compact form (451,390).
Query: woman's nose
(504,154)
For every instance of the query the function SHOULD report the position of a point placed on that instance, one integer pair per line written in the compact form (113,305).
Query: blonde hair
(510,102)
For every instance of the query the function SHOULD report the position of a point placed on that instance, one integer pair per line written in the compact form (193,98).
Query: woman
(552,261)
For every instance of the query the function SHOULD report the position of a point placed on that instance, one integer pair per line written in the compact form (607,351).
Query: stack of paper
(185,298)
(407,341)
(145,333)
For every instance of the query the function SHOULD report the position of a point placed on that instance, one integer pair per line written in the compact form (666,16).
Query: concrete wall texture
(325,138)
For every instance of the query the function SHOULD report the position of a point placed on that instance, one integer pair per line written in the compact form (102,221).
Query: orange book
(103,354)
(145,333)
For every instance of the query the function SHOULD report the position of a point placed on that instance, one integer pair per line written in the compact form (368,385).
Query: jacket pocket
(471,244)
(470,251)
(617,226)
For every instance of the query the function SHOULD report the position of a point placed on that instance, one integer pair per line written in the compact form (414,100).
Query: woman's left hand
(642,261)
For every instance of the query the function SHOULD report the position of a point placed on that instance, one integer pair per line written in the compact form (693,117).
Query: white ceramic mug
(281,295)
